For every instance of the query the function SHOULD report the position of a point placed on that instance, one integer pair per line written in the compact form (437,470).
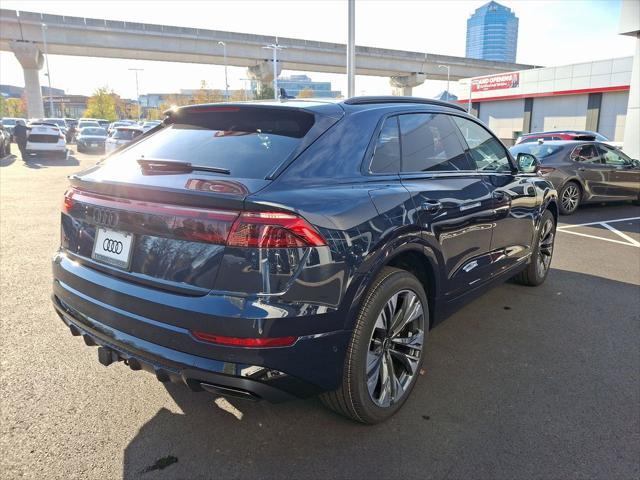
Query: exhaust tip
(105,356)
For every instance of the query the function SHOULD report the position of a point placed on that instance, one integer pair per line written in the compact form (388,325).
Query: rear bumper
(46,147)
(126,322)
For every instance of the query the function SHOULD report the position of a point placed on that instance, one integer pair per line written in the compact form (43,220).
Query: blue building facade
(297,83)
(492,33)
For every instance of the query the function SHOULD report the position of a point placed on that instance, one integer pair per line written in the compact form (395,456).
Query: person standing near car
(20,133)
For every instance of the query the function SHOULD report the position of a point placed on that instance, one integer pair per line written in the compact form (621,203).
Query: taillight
(545,170)
(221,227)
(245,342)
(273,230)
(67,201)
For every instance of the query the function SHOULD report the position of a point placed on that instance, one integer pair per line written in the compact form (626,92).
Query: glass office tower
(492,33)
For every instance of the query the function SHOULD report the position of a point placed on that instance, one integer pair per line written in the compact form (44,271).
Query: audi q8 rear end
(249,250)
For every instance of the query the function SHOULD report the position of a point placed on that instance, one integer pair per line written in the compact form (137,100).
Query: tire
(538,268)
(378,352)
(570,197)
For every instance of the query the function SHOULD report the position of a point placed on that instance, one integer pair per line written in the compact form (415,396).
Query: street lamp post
(46,56)
(275,47)
(136,70)
(226,81)
(448,72)
(351,49)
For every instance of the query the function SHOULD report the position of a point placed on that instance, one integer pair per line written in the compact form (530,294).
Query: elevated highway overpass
(21,33)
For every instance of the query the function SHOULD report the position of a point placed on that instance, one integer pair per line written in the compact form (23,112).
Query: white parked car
(146,126)
(46,138)
(121,136)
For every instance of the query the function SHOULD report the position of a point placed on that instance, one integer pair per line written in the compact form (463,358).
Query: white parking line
(629,241)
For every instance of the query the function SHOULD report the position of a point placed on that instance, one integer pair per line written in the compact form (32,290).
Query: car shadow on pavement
(36,162)
(8,160)
(523,382)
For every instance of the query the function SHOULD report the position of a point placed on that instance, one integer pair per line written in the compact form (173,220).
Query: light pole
(136,70)
(46,56)
(448,72)
(351,49)
(246,89)
(226,81)
(275,47)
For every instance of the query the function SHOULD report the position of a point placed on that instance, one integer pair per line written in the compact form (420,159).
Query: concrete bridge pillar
(403,86)
(31,60)
(263,73)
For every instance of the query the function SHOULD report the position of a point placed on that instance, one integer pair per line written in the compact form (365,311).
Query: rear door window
(386,156)
(486,151)
(430,142)
(586,154)
(249,142)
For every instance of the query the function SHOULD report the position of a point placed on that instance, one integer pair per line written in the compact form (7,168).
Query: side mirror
(527,163)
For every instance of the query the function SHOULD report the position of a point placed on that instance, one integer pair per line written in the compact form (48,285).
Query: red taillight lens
(245,342)
(545,170)
(67,201)
(247,229)
(273,230)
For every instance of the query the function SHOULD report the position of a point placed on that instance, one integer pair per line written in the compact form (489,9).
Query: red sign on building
(496,82)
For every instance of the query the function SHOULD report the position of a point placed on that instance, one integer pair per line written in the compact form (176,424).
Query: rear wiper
(151,166)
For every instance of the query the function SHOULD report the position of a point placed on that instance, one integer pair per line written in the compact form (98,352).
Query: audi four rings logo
(112,246)
(105,217)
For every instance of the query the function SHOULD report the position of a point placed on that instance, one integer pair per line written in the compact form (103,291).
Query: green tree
(207,95)
(265,92)
(102,104)
(12,107)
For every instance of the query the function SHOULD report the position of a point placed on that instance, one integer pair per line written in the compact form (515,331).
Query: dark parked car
(282,250)
(585,171)
(91,140)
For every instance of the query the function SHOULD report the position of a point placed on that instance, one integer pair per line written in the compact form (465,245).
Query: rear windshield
(539,150)
(125,134)
(58,121)
(93,131)
(249,142)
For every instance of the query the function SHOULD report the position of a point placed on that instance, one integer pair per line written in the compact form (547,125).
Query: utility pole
(136,70)
(351,49)
(226,81)
(275,47)
(46,56)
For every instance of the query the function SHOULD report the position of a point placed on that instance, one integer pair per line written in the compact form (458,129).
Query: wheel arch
(414,257)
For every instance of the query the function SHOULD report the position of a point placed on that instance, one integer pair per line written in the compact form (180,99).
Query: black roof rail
(393,99)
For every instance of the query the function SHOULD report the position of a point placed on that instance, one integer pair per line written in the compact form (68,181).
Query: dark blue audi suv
(281,250)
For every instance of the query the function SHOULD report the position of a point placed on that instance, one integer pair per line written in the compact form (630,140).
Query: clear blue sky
(551,33)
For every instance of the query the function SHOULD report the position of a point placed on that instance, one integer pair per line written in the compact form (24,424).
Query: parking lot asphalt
(522,383)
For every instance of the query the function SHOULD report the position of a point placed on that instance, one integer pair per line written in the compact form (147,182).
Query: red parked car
(583,135)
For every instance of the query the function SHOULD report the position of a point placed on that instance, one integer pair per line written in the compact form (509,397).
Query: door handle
(431,206)
(501,196)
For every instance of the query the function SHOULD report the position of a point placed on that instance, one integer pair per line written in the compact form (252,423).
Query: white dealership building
(602,95)
(583,96)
